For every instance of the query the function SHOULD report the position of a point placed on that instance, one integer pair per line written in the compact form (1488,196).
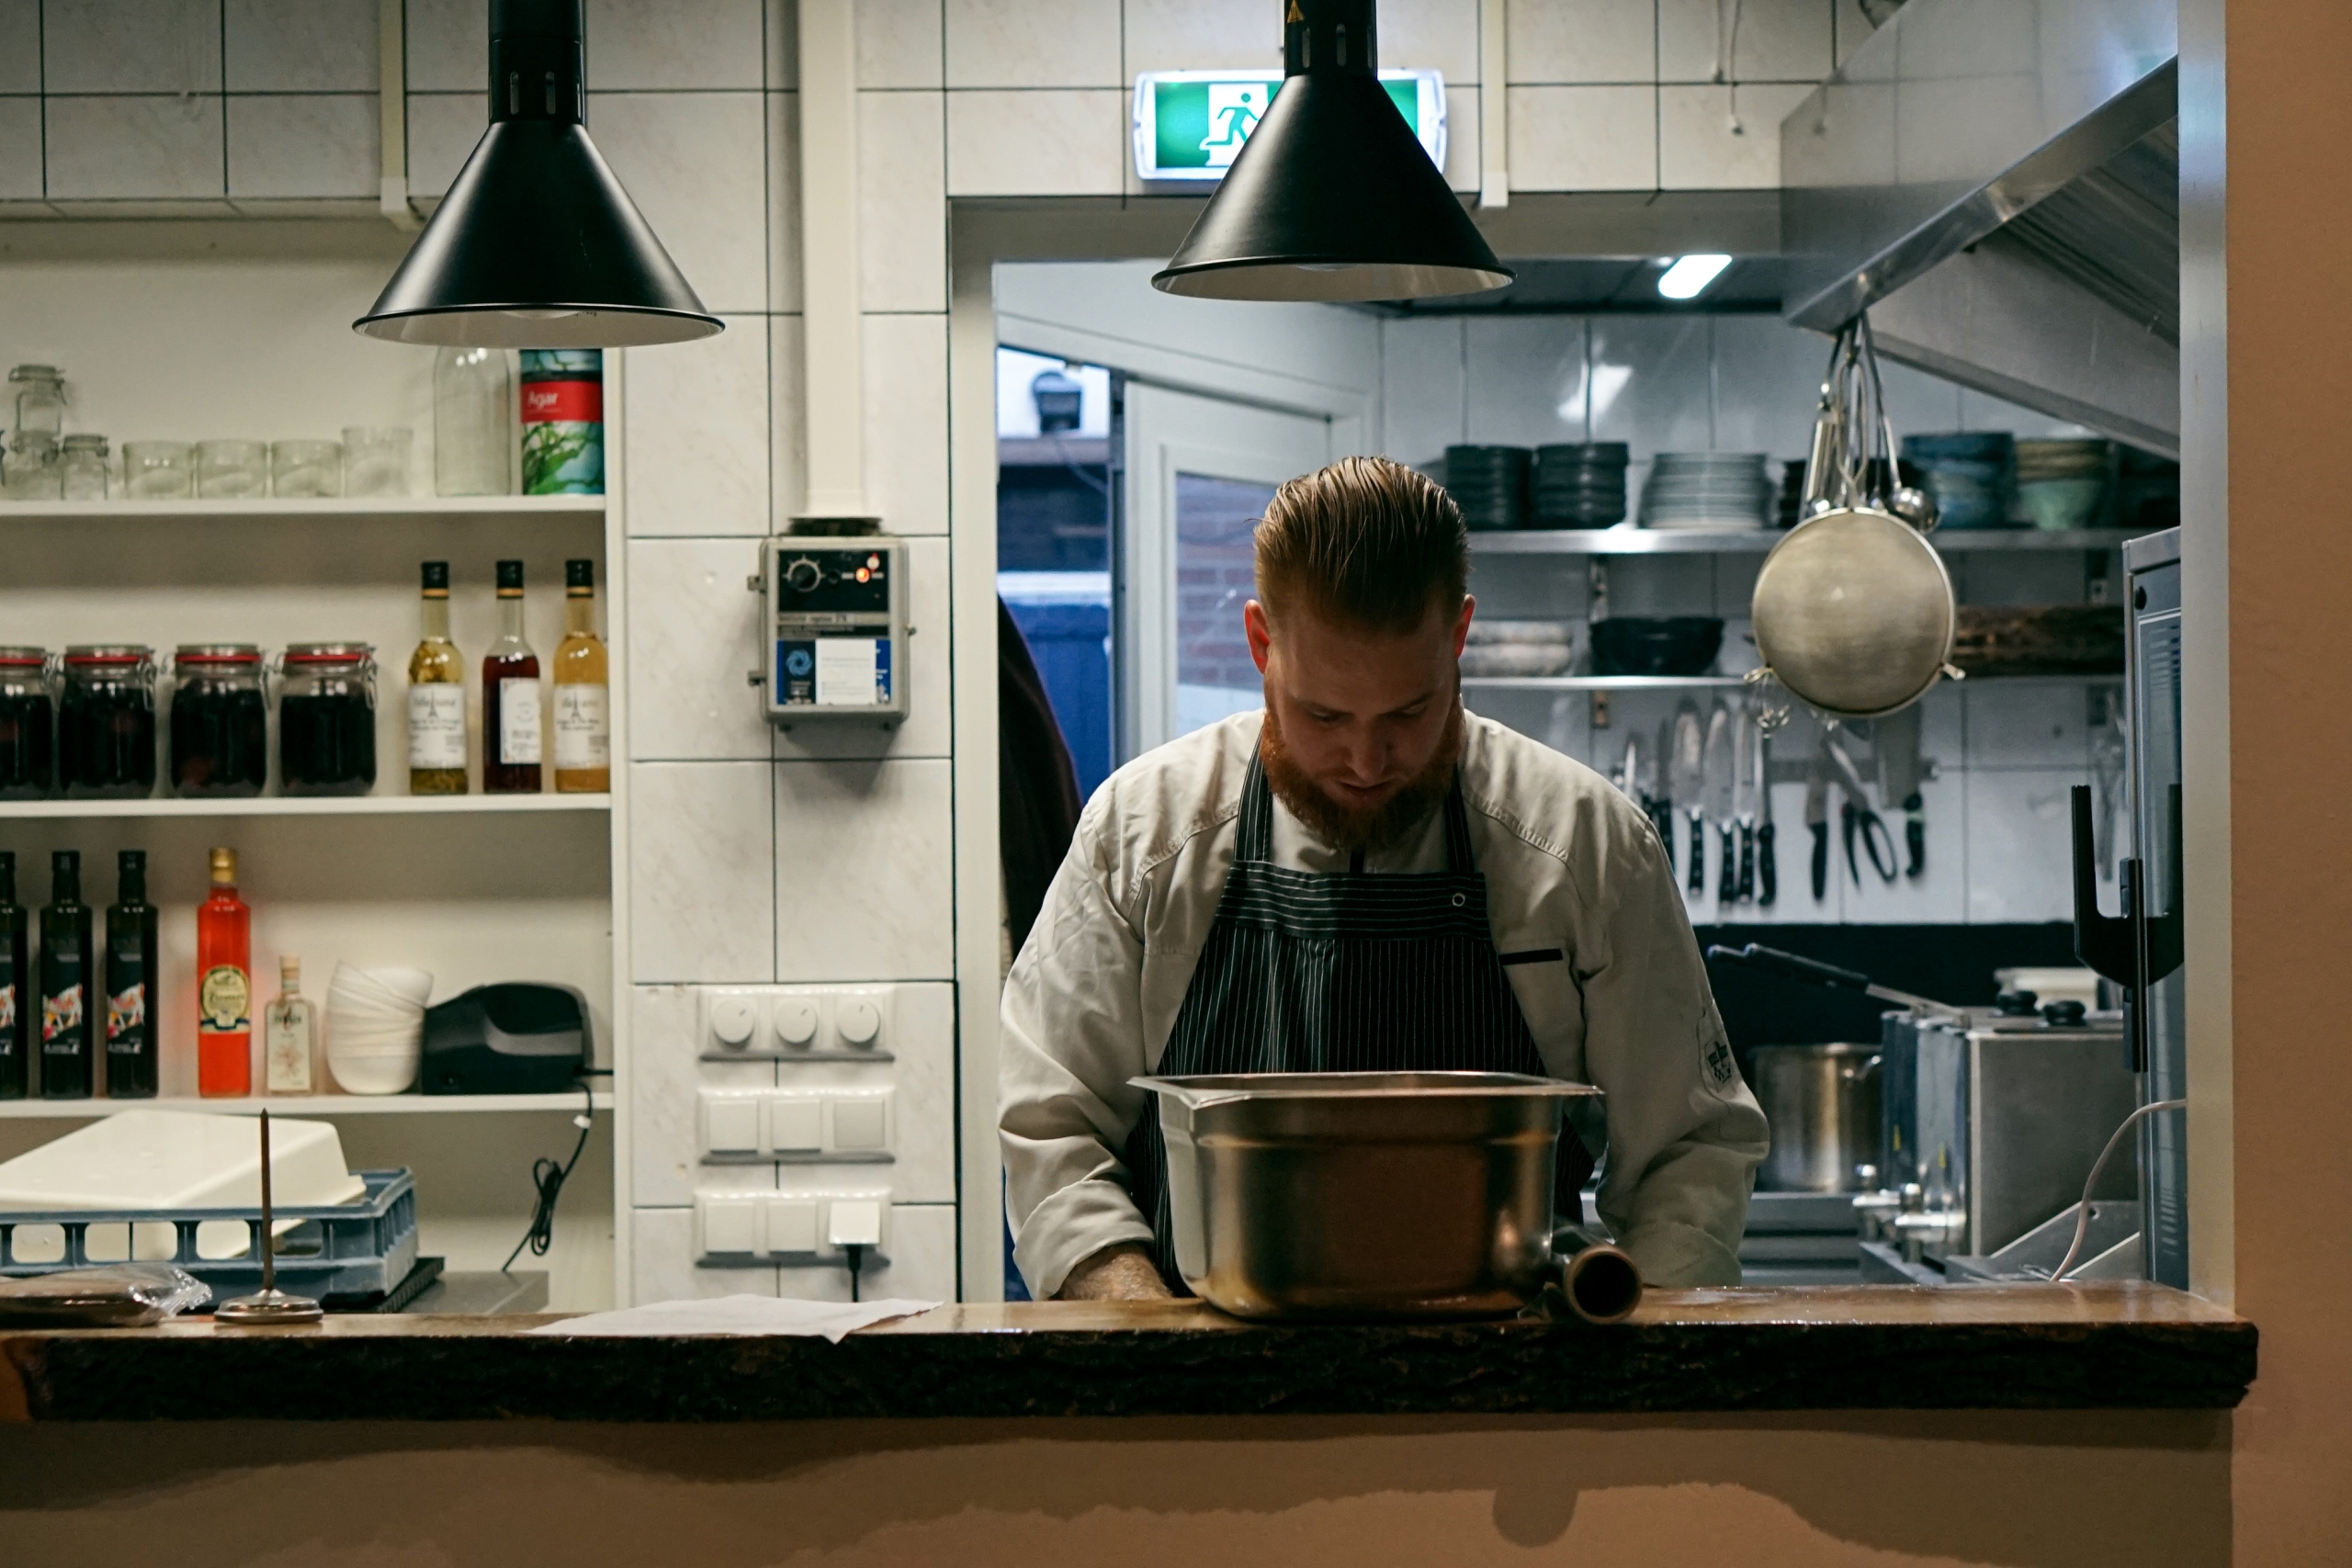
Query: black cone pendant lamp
(1331,197)
(537,245)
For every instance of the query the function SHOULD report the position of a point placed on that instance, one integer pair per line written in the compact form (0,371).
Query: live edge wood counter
(1883,1348)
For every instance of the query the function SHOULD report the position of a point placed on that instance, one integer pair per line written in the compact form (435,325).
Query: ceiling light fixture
(1332,197)
(1689,276)
(537,245)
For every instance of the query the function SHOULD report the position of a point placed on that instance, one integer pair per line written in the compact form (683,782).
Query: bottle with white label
(290,1035)
(583,736)
(437,696)
(511,744)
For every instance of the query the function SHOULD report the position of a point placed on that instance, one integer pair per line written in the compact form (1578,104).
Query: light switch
(858,1020)
(730,1226)
(796,1126)
(853,1221)
(732,1020)
(792,1224)
(795,1021)
(860,1125)
(730,1124)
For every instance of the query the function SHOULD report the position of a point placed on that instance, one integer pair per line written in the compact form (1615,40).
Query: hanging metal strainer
(1853,610)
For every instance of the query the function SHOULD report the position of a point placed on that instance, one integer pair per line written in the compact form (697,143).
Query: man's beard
(1370,829)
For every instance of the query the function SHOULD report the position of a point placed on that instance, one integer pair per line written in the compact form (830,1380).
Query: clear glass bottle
(437,696)
(473,421)
(583,736)
(511,744)
(82,468)
(224,990)
(291,1057)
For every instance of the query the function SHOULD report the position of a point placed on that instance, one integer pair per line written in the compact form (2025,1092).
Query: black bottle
(131,1050)
(68,977)
(17,1007)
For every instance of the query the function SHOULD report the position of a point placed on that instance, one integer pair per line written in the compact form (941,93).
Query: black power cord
(856,1251)
(548,1178)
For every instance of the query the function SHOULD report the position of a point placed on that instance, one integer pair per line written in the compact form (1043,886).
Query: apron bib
(1305,972)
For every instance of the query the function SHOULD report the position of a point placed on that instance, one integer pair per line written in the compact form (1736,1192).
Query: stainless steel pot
(1362,1194)
(1823,1104)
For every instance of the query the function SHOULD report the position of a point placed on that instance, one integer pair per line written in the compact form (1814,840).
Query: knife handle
(1768,876)
(1698,883)
(1914,836)
(1746,864)
(1662,819)
(1820,861)
(1726,864)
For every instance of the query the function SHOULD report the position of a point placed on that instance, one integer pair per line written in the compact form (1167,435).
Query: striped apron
(1305,972)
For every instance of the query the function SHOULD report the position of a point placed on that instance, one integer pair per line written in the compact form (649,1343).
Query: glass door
(1200,471)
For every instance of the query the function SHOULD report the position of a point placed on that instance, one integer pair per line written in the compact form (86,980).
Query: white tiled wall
(2008,752)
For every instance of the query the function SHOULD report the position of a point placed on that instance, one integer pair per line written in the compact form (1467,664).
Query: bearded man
(1362,877)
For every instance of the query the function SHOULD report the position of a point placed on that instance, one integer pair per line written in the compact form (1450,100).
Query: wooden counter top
(2071,1346)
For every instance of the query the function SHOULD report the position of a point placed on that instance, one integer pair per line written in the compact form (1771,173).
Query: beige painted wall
(2056,1491)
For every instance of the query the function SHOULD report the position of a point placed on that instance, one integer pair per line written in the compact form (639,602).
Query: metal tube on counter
(1601,1280)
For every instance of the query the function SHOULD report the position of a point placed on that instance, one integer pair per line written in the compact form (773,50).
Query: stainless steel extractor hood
(1997,181)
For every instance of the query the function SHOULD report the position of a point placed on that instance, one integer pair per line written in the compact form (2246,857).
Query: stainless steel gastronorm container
(1362,1194)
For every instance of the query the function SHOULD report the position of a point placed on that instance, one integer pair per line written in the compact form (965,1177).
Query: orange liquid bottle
(224,969)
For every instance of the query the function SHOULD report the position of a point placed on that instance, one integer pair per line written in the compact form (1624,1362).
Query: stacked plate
(1516,647)
(1970,472)
(1706,489)
(2063,483)
(1580,486)
(1489,483)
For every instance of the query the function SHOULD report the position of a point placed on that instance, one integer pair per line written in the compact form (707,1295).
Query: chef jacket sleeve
(1685,1135)
(1072,1037)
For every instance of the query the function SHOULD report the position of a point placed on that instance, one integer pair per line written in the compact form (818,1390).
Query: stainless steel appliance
(1362,1194)
(1821,1103)
(2152,675)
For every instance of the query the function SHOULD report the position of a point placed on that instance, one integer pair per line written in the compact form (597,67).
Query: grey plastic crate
(338,1251)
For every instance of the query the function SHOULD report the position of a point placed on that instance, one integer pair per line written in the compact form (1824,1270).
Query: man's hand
(1122,1273)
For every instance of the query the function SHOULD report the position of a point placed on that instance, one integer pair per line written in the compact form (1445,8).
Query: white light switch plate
(730,1226)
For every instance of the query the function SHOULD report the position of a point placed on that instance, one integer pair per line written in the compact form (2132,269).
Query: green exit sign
(1189,124)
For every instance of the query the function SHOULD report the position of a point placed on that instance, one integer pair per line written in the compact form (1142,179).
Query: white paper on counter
(737,1315)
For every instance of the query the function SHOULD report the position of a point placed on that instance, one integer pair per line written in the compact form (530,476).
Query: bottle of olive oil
(436,697)
(583,736)
(132,1057)
(69,977)
(17,1007)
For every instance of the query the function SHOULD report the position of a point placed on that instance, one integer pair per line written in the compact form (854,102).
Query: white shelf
(1625,540)
(307,806)
(294,511)
(1597,682)
(304,1105)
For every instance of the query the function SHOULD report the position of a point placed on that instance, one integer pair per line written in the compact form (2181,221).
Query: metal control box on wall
(835,626)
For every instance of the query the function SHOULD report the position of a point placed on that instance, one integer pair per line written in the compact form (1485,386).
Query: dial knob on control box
(795,1020)
(732,1019)
(859,1021)
(803,575)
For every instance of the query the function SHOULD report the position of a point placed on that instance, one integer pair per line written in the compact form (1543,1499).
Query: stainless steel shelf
(1631,541)
(307,805)
(1597,682)
(302,1105)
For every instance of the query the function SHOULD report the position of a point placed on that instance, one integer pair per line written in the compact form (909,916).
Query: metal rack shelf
(301,1105)
(1625,540)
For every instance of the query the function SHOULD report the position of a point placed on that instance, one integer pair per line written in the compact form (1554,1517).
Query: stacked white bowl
(375,1028)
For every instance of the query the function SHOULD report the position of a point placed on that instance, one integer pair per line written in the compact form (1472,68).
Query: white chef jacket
(1571,864)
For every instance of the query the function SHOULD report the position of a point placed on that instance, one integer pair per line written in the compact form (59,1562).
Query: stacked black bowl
(1489,483)
(1580,486)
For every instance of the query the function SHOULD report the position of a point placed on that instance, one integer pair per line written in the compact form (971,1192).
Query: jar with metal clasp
(220,725)
(105,722)
(28,723)
(326,718)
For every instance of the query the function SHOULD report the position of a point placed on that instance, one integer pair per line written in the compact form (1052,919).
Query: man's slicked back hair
(1367,543)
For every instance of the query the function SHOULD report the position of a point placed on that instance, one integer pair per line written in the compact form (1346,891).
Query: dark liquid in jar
(27,739)
(327,743)
(106,737)
(220,738)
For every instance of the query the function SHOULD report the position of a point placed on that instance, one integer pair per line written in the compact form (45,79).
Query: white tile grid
(1597,41)
(299,46)
(1778,41)
(902,201)
(1526,380)
(20,155)
(1583,139)
(20,48)
(1722,138)
(899,43)
(703,885)
(666,1042)
(442,128)
(288,146)
(130,46)
(906,422)
(695,164)
(1423,408)
(783,51)
(860,869)
(787,433)
(447,49)
(1204,35)
(694,636)
(702,44)
(1036,142)
(698,433)
(2021,844)
(1033,43)
(150,148)
(783,112)
(1461,170)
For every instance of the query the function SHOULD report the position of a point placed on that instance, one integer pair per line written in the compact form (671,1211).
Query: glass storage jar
(28,725)
(157,471)
(83,471)
(105,722)
(375,461)
(326,718)
(40,401)
(231,470)
(305,468)
(220,721)
(31,469)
